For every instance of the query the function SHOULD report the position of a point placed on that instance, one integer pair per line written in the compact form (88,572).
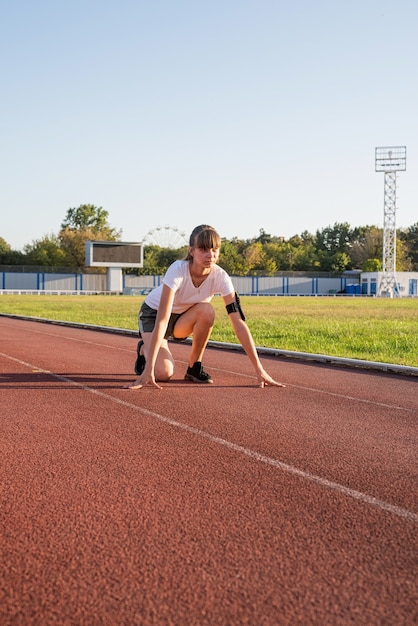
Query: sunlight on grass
(374,329)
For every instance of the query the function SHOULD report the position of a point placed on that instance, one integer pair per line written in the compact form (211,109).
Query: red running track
(219,504)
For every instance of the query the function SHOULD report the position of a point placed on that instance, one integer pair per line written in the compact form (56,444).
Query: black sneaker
(197,374)
(140,359)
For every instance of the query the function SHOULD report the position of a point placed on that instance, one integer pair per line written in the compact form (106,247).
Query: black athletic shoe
(197,374)
(140,359)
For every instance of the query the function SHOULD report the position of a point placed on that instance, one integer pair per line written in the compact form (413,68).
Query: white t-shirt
(186,294)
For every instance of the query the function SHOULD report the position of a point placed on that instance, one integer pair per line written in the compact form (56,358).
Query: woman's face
(206,257)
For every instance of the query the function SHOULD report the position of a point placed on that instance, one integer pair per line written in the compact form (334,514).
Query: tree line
(334,248)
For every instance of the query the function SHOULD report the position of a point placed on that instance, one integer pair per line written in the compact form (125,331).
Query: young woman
(180,307)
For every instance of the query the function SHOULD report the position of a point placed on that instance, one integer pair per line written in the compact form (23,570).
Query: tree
(231,257)
(410,239)
(368,245)
(263,237)
(335,238)
(372,265)
(367,251)
(46,252)
(403,262)
(286,256)
(9,256)
(255,257)
(151,261)
(340,261)
(90,218)
(4,246)
(306,258)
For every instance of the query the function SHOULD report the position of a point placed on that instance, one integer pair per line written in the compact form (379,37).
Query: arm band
(235,307)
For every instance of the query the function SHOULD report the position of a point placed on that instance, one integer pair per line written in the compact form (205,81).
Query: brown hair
(203,236)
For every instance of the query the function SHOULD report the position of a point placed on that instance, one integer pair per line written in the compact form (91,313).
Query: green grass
(374,329)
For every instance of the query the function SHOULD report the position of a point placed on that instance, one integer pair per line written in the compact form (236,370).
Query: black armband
(235,307)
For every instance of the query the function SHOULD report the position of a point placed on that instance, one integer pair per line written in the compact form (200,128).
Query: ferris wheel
(166,237)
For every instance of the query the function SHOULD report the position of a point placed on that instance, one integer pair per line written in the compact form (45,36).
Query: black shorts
(146,322)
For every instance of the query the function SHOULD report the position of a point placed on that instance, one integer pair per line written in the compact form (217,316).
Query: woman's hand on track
(265,380)
(143,381)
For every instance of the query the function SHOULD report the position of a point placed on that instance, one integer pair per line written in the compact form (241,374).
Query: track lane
(174,527)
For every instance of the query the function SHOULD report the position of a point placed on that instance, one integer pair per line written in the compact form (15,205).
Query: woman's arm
(161,322)
(157,336)
(245,338)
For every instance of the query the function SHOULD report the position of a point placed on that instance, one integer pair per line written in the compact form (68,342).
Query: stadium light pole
(389,160)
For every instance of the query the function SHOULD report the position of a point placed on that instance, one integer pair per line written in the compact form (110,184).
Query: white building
(407,283)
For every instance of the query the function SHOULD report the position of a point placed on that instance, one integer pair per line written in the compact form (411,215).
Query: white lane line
(353,398)
(262,458)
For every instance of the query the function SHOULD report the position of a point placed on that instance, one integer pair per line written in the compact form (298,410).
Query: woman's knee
(164,366)
(163,373)
(206,313)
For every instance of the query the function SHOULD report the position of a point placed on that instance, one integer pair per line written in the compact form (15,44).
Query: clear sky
(244,114)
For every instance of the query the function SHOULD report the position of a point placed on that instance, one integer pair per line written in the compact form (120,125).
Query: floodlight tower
(390,160)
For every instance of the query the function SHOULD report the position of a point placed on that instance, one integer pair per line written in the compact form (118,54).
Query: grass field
(374,329)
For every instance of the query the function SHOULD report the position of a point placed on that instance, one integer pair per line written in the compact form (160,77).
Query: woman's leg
(196,322)
(164,365)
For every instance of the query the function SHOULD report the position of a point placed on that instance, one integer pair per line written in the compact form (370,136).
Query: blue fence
(96,283)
